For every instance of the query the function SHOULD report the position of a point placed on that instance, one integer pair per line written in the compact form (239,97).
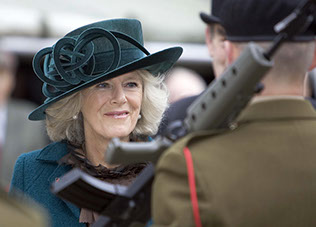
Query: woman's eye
(131,84)
(103,85)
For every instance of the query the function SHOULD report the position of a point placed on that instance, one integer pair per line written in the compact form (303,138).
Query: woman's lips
(117,114)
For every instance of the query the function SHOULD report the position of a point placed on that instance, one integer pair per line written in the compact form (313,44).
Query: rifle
(216,108)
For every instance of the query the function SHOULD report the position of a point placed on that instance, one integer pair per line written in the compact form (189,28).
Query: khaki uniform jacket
(263,173)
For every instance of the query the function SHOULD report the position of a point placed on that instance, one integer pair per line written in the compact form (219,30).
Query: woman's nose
(118,96)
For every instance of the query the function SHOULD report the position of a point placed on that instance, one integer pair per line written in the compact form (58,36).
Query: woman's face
(111,108)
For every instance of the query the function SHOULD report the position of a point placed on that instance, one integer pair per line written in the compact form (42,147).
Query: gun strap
(192,186)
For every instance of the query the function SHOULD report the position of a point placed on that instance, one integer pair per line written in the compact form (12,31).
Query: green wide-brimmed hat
(94,53)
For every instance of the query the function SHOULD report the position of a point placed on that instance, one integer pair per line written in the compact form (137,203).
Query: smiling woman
(65,118)
(100,83)
(111,109)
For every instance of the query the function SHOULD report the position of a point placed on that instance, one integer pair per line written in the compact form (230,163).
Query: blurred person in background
(15,211)
(183,82)
(100,83)
(262,172)
(17,134)
(214,39)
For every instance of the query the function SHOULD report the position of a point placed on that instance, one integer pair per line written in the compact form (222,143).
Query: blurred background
(26,26)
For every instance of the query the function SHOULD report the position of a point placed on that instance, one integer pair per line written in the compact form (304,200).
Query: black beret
(254,20)
(215,12)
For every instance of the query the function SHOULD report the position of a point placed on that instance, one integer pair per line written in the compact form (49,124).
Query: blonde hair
(61,125)
(155,102)
(60,122)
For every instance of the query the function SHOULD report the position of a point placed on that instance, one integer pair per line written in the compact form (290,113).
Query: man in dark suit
(263,172)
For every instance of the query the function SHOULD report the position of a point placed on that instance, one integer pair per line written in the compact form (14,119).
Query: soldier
(214,39)
(262,173)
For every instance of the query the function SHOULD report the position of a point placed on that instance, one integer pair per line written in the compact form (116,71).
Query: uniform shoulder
(195,137)
(175,152)
(177,148)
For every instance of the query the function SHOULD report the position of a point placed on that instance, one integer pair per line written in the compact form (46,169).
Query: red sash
(191,179)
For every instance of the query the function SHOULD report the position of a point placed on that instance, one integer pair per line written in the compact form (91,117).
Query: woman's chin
(118,134)
(118,130)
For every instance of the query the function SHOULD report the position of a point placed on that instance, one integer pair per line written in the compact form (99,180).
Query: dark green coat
(263,173)
(35,171)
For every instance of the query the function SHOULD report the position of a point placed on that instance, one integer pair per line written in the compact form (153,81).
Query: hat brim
(156,63)
(209,19)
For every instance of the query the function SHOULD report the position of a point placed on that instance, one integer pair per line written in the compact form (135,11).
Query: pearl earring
(139,116)
(75,117)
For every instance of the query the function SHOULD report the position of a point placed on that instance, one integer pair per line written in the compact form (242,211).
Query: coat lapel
(55,176)
(51,154)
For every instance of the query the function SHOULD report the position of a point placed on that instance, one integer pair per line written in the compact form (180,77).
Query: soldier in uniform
(263,172)
(214,39)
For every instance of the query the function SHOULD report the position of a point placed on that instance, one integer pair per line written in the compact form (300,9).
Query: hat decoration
(73,60)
